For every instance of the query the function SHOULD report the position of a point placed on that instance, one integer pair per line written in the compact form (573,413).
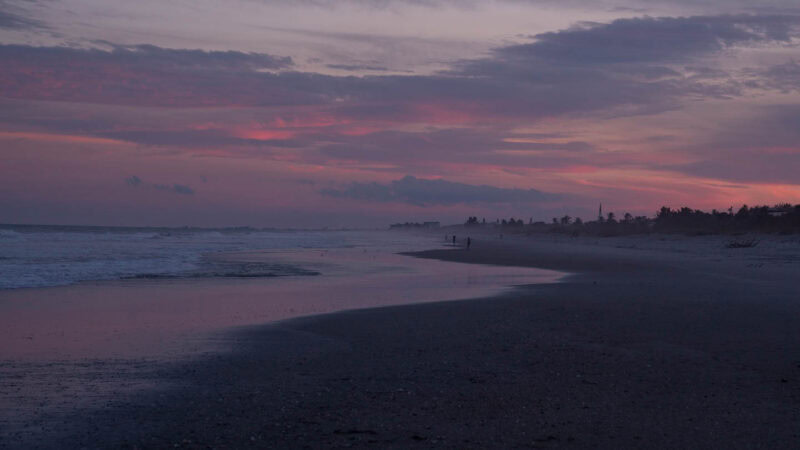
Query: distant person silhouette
(469,242)
(454,239)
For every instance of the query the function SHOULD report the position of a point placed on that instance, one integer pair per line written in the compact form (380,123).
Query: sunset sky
(311,113)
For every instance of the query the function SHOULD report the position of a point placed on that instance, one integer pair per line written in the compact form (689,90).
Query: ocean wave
(56,256)
(233,270)
(11,235)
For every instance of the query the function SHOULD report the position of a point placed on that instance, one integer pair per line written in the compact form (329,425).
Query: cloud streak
(133,180)
(175,188)
(136,182)
(423,192)
(139,75)
(14,17)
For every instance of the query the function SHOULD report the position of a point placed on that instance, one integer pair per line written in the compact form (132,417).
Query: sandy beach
(391,224)
(653,342)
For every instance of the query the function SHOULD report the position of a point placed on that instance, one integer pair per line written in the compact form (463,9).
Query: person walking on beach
(469,242)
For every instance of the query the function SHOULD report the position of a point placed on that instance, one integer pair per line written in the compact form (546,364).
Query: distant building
(779,211)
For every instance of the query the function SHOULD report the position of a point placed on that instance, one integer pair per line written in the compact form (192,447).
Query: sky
(361,113)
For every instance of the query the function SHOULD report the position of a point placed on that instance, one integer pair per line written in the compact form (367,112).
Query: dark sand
(684,352)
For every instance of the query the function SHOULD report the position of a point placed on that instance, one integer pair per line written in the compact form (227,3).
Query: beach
(392,224)
(651,341)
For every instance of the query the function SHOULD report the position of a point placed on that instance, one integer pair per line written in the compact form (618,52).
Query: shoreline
(679,356)
(132,318)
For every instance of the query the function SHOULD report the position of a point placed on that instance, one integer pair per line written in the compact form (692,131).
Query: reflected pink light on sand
(172,318)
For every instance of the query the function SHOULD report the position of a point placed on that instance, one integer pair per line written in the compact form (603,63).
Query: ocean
(42,256)
(98,292)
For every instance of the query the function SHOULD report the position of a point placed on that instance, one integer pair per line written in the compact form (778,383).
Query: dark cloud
(181,189)
(748,168)
(783,77)
(14,16)
(143,75)
(152,55)
(357,67)
(176,188)
(638,66)
(422,192)
(455,145)
(15,22)
(762,148)
(652,40)
(133,180)
(776,126)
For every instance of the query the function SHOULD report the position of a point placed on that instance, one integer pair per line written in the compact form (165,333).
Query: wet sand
(640,348)
(67,350)
(169,319)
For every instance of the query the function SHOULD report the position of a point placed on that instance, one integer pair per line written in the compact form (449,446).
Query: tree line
(780,218)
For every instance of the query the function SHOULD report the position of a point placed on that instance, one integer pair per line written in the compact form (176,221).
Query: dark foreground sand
(629,352)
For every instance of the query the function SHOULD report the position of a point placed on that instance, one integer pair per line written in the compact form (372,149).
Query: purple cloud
(176,188)
(589,68)
(652,40)
(135,182)
(422,192)
(17,18)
